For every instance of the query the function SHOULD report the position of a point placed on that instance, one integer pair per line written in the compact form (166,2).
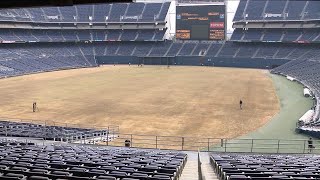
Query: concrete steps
(190,170)
(207,169)
(208,172)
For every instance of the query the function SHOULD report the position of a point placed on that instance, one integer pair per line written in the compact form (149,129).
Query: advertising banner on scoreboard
(202,22)
(216,25)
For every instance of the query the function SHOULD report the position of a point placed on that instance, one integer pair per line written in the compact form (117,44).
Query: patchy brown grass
(153,100)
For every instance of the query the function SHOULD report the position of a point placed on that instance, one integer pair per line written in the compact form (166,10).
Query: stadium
(160,90)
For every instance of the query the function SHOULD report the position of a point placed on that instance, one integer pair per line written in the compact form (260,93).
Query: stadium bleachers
(187,49)
(237,35)
(239,15)
(260,10)
(255,9)
(169,48)
(252,35)
(247,51)
(48,132)
(27,160)
(265,166)
(276,7)
(96,13)
(19,59)
(305,70)
(270,35)
(47,35)
(228,50)
(25,59)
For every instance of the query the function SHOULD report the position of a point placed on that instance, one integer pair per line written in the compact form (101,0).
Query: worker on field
(241,104)
(34,106)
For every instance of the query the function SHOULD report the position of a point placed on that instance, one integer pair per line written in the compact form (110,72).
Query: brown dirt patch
(153,100)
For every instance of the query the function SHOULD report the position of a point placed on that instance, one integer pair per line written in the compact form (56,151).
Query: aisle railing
(213,144)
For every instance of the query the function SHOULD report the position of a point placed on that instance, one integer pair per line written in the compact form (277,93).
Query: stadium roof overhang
(32,3)
(276,21)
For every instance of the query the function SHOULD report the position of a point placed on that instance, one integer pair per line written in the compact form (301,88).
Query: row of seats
(17,65)
(280,35)
(54,35)
(306,71)
(28,161)
(25,58)
(277,10)
(96,13)
(265,166)
(48,132)
(160,49)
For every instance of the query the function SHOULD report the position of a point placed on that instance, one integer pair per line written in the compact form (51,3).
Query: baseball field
(151,100)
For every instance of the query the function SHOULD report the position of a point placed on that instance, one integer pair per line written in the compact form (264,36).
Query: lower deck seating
(265,166)
(48,132)
(307,72)
(19,59)
(29,161)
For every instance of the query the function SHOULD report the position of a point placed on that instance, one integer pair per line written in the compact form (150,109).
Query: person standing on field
(34,107)
(241,104)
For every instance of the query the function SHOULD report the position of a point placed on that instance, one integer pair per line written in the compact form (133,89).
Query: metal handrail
(200,171)
(215,144)
(58,123)
(112,137)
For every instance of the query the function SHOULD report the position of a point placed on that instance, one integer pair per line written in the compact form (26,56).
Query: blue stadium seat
(240,10)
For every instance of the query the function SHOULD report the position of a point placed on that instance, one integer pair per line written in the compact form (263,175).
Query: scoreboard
(201,22)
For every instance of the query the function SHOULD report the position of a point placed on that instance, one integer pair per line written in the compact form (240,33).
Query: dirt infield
(153,100)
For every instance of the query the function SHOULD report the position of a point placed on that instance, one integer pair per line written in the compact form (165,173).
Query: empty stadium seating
(44,35)
(265,166)
(25,58)
(96,13)
(305,70)
(270,35)
(21,160)
(48,132)
(17,67)
(261,10)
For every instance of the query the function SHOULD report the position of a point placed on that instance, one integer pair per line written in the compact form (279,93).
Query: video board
(202,22)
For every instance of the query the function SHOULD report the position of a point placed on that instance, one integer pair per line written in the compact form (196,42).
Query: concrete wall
(117,60)
(194,61)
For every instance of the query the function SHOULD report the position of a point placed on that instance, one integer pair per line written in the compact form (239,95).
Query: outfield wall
(194,61)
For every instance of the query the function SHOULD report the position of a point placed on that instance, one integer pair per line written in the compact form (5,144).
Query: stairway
(190,170)
(207,169)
